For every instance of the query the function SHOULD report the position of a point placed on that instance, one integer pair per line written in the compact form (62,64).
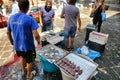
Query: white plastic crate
(99,38)
(87,66)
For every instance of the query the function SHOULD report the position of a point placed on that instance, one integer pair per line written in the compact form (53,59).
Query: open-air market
(59,39)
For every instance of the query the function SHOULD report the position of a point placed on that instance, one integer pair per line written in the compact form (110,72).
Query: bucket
(47,66)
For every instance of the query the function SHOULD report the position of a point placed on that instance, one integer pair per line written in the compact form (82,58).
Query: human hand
(99,4)
(41,25)
(79,29)
(38,47)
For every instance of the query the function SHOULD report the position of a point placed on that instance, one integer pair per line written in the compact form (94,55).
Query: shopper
(71,14)
(47,16)
(15,8)
(98,8)
(20,30)
(1,3)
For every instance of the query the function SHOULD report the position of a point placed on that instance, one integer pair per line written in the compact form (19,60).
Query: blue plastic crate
(47,66)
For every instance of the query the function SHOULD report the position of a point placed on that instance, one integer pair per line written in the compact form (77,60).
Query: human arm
(79,23)
(40,18)
(95,8)
(10,37)
(62,13)
(103,8)
(53,19)
(34,27)
(37,36)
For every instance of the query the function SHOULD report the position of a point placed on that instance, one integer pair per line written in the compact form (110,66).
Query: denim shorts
(29,55)
(70,31)
(47,27)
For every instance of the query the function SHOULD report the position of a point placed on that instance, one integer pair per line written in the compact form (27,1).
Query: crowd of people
(22,28)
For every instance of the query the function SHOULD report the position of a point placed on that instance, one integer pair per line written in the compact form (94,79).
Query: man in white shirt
(15,8)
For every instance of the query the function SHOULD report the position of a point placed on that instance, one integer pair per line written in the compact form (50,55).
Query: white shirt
(15,8)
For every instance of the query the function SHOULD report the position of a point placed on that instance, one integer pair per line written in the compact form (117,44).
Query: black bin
(96,46)
(89,28)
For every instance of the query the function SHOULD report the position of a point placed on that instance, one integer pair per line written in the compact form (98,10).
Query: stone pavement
(110,59)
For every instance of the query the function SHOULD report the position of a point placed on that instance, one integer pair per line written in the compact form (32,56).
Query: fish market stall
(76,67)
(48,55)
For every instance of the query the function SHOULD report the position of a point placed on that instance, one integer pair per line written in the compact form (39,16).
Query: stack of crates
(89,28)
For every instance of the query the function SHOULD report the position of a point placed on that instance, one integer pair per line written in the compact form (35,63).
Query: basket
(66,76)
(47,66)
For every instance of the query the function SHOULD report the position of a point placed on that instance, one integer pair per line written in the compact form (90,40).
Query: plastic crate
(89,29)
(47,66)
(86,65)
(66,76)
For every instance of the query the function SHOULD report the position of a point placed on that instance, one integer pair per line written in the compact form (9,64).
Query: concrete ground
(110,59)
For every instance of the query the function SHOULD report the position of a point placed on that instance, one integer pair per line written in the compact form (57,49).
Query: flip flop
(33,75)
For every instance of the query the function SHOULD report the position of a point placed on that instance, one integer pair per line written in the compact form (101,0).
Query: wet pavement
(110,59)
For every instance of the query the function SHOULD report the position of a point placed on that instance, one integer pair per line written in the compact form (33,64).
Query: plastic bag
(79,51)
(94,54)
(103,16)
(84,50)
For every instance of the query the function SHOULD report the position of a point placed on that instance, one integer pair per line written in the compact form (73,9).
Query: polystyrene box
(86,65)
(99,38)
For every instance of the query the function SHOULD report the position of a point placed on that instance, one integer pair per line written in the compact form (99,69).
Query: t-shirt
(21,26)
(97,13)
(47,16)
(15,8)
(71,12)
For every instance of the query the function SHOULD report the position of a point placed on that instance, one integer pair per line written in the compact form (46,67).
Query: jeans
(47,27)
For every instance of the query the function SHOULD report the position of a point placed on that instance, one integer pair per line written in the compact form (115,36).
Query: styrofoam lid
(87,66)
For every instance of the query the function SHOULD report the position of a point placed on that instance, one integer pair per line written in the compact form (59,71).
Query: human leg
(72,35)
(49,27)
(30,57)
(99,26)
(72,42)
(66,35)
(23,65)
(67,43)
(43,28)
(29,69)
(22,61)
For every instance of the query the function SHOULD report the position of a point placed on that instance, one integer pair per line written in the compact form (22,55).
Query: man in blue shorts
(71,14)
(20,30)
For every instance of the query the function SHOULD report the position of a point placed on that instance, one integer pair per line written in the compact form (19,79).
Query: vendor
(47,16)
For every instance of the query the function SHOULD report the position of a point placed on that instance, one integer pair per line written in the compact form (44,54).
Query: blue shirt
(47,16)
(71,12)
(21,26)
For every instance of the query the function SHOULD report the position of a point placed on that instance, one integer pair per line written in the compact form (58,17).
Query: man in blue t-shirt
(71,14)
(20,30)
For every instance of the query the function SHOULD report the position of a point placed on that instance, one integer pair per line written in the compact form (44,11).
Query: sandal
(71,49)
(24,75)
(33,75)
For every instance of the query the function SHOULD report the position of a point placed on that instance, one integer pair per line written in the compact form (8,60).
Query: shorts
(47,27)
(30,55)
(70,31)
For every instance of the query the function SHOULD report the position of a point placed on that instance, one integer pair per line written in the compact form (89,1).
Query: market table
(51,37)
